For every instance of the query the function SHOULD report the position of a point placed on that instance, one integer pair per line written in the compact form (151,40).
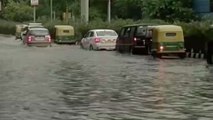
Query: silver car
(99,39)
(37,37)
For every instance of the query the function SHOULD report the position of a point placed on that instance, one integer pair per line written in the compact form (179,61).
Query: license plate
(40,38)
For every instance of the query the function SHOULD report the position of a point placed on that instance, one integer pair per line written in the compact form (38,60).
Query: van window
(170,34)
(127,32)
(122,32)
(141,31)
(39,32)
(132,32)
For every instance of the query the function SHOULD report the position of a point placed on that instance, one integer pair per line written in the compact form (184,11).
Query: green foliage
(169,10)
(17,11)
(127,9)
(7,27)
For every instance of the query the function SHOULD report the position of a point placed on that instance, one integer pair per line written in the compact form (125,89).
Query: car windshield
(39,32)
(106,33)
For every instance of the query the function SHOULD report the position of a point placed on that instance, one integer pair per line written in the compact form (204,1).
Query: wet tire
(147,50)
(91,47)
(159,56)
(132,50)
(154,54)
(81,46)
(209,58)
(209,53)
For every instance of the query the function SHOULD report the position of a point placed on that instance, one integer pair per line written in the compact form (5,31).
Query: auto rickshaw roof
(168,28)
(141,24)
(64,26)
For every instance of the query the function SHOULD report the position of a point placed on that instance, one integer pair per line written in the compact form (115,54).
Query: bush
(7,27)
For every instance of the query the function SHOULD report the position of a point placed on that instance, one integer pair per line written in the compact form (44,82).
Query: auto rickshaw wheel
(159,55)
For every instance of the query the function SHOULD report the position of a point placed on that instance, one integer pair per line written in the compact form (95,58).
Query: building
(203,6)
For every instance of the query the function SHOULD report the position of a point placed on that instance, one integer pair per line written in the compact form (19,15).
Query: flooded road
(67,83)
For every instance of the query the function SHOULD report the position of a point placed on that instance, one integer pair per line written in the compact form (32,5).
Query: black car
(135,39)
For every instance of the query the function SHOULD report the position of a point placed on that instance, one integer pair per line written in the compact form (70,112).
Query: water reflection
(146,91)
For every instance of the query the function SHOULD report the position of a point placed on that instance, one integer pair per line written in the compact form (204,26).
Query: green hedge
(196,33)
(7,27)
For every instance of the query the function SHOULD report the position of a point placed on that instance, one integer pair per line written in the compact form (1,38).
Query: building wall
(202,6)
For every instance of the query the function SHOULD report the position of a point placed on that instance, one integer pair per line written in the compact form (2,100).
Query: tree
(169,10)
(17,11)
(127,9)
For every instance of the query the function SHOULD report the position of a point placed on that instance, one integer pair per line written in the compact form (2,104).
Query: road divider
(193,54)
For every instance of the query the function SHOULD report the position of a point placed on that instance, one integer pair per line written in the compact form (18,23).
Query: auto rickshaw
(64,34)
(19,30)
(167,40)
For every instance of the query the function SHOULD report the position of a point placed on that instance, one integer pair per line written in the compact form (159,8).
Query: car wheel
(148,50)
(209,58)
(91,47)
(81,45)
(131,50)
(154,54)
(209,52)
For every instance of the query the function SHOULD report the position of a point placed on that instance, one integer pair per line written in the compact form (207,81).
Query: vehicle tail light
(135,39)
(48,38)
(97,40)
(30,38)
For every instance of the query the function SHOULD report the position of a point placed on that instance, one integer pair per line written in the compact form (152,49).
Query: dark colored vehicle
(135,39)
(37,37)
(209,52)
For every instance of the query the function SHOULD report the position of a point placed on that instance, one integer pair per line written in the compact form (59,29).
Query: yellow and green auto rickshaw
(168,40)
(64,34)
(19,30)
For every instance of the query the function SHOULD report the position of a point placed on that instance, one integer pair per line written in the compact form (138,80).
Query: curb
(6,35)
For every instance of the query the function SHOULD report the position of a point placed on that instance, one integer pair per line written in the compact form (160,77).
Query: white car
(99,39)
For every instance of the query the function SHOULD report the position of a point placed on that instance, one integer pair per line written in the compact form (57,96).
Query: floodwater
(65,82)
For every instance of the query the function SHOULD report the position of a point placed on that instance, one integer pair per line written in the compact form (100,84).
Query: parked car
(37,37)
(134,39)
(168,40)
(99,39)
(64,34)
